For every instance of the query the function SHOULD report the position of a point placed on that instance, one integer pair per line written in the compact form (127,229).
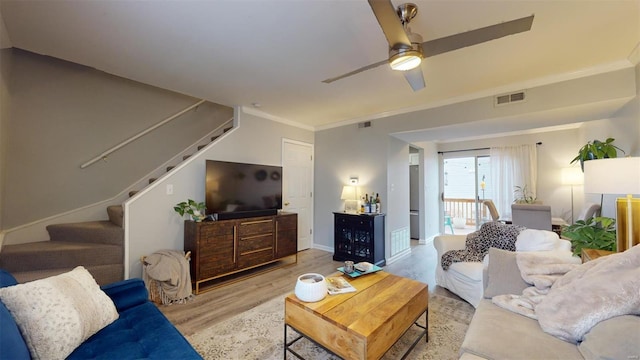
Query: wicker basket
(154,292)
(154,285)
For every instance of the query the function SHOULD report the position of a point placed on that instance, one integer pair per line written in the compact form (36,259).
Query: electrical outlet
(169,189)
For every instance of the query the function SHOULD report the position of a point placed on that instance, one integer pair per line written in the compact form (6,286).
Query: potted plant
(195,209)
(596,149)
(522,195)
(592,233)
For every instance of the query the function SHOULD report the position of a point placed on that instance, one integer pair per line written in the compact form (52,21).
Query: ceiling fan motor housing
(403,57)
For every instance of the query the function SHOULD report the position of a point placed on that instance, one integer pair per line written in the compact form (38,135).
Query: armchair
(532,216)
(588,211)
(468,279)
(492,209)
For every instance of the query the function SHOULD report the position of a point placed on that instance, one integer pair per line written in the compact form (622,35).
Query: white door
(297,187)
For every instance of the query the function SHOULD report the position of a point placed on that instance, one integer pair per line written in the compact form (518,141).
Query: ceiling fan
(406,49)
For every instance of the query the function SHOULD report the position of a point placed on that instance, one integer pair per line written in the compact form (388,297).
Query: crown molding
(262,114)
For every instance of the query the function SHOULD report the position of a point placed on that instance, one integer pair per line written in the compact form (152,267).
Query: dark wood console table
(220,249)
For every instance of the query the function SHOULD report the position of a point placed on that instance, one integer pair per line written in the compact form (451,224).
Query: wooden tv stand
(230,250)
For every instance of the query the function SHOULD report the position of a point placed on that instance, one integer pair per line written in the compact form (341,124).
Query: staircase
(96,245)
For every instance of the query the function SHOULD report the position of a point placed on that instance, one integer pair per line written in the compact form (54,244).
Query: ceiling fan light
(405,61)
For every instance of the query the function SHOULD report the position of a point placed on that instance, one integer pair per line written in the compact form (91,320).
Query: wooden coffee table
(362,324)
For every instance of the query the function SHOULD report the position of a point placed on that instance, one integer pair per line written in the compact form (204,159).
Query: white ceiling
(277,52)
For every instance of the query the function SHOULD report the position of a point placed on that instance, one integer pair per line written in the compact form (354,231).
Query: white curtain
(512,166)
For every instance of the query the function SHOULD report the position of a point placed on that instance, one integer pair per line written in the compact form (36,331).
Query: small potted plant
(596,149)
(195,209)
(592,233)
(522,195)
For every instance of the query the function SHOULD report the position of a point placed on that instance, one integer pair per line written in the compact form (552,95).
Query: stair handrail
(106,153)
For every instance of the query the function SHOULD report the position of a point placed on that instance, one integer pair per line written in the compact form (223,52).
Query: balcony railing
(466,209)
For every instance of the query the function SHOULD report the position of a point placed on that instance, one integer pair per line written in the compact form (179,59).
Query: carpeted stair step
(104,274)
(97,232)
(48,255)
(116,214)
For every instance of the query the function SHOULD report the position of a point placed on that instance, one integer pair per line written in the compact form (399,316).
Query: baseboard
(400,255)
(323,247)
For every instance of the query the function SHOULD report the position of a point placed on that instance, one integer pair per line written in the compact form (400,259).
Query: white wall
(584,99)
(624,127)
(431,180)
(61,115)
(151,222)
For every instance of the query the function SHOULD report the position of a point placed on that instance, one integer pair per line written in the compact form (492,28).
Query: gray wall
(60,115)
(151,222)
(5,103)
(342,153)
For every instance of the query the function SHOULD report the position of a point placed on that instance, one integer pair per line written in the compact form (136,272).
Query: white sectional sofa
(497,333)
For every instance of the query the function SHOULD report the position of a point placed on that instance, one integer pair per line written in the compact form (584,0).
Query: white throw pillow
(55,315)
(536,240)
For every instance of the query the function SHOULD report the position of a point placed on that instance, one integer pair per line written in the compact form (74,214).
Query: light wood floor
(223,302)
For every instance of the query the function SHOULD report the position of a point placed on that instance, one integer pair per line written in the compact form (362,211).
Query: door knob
(286,204)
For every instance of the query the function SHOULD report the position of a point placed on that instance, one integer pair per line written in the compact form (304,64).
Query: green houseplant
(191,207)
(522,195)
(593,233)
(596,149)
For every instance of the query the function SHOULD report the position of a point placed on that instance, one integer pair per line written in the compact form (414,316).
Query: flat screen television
(239,190)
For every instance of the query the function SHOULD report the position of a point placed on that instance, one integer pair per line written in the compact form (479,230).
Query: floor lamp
(618,176)
(571,176)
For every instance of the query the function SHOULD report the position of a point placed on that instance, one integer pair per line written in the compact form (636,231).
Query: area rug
(258,334)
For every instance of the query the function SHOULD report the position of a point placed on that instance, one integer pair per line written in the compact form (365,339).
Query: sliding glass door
(465,179)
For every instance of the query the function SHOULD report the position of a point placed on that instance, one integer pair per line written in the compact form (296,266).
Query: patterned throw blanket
(491,234)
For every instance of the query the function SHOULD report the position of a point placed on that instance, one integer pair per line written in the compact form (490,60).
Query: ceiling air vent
(365,124)
(505,99)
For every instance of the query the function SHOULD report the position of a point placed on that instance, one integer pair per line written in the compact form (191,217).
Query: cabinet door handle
(235,243)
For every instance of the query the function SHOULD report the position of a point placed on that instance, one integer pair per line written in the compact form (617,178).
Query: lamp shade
(571,176)
(612,176)
(348,193)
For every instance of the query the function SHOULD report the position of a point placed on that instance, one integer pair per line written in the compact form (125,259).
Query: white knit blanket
(590,293)
(540,269)
(170,269)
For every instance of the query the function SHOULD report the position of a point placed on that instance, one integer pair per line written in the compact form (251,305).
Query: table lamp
(618,176)
(350,199)
(571,176)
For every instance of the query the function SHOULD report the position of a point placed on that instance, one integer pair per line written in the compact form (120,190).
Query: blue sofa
(140,332)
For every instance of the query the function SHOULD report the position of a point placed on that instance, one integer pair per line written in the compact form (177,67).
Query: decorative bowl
(311,287)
